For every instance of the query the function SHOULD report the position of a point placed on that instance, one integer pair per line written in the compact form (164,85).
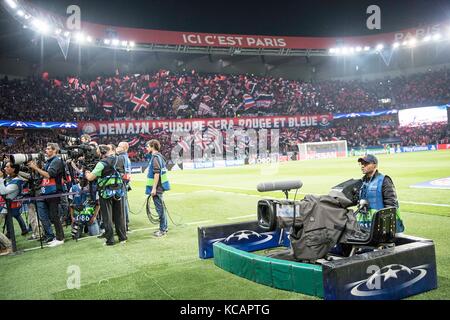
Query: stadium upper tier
(164,94)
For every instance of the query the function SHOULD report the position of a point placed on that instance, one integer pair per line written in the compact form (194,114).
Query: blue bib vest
(151,174)
(372,191)
(49,186)
(15,206)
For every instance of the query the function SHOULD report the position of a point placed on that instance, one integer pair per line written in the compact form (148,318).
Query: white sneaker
(123,242)
(55,243)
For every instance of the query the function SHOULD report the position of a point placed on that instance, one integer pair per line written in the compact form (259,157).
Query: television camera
(84,155)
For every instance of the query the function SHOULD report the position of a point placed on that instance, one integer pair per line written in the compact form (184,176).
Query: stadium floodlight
(427,38)
(115,42)
(344,50)
(412,42)
(379,47)
(89,39)
(436,37)
(338,50)
(358,49)
(351,50)
(124,43)
(405,43)
(41,26)
(11,3)
(132,44)
(395,45)
(80,37)
(20,13)
(332,50)
(107,41)
(27,16)
(366,48)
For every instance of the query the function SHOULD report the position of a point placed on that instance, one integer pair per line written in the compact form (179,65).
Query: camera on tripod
(274,213)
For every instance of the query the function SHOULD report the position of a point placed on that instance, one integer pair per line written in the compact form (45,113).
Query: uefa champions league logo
(247,237)
(393,277)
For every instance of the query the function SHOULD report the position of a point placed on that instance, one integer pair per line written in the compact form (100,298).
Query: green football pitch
(169,267)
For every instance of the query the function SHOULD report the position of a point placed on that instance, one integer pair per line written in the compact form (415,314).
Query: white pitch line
(240,188)
(197,222)
(247,216)
(227,187)
(427,204)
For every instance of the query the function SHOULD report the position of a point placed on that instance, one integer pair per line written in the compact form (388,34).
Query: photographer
(52,183)
(11,188)
(85,139)
(108,173)
(83,210)
(122,151)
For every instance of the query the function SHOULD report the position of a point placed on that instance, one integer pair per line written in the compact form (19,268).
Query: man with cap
(379,191)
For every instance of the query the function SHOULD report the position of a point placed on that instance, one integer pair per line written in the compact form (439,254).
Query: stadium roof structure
(181,47)
(101,35)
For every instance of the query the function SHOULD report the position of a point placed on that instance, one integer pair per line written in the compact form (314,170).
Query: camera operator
(11,188)
(122,151)
(52,183)
(109,173)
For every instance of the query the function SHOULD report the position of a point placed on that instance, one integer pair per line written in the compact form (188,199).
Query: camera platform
(393,272)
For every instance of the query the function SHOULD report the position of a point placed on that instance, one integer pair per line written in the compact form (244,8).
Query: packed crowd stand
(359,133)
(165,94)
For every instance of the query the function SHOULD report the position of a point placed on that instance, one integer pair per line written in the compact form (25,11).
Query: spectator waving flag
(264,100)
(140,102)
(133,142)
(184,145)
(107,106)
(204,109)
(248,101)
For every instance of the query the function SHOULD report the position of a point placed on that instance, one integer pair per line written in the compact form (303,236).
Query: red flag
(153,85)
(107,104)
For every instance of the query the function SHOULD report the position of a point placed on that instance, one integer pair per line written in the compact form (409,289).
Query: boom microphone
(279,185)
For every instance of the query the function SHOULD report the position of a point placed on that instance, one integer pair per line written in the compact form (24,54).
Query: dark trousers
(53,214)
(111,212)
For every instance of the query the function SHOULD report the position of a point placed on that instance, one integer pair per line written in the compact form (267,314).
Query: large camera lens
(20,158)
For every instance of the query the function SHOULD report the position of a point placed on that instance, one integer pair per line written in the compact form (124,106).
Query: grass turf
(169,267)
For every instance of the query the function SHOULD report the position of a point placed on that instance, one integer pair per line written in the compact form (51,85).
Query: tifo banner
(146,126)
(38,125)
(251,41)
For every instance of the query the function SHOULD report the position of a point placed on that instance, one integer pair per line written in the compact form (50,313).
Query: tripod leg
(39,223)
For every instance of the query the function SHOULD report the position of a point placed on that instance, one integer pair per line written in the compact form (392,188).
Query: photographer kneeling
(83,210)
(109,172)
(52,183)
(11,188)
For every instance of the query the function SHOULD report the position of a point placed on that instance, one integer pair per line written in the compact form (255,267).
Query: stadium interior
(326,100)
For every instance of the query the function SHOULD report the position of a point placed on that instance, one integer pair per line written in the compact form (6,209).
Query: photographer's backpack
(109,190)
